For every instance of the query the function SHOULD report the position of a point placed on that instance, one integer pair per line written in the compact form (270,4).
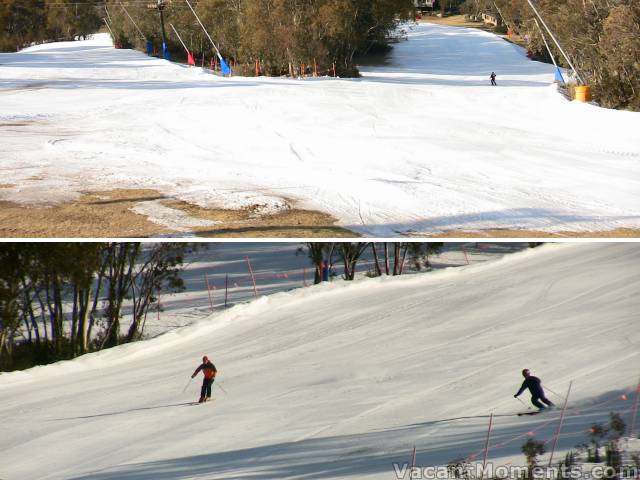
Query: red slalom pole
(206,279)
(486,446)
(413,461)
(226,289)
(253,278)
(557,435)
(632,425)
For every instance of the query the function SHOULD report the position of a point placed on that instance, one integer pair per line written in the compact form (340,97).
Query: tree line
(602,39)
(61,300)
(388,258)
(23,22)
(281,36)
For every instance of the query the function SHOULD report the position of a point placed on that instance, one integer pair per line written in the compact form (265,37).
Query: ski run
(344,379)
(421,144)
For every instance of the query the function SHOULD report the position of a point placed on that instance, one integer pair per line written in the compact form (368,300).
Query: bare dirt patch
(93,215)
(292,223)
(455,21)
(505,233)
(460,21)
(108,214)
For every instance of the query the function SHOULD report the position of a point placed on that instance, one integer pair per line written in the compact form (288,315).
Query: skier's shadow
(122,411)
(453,419)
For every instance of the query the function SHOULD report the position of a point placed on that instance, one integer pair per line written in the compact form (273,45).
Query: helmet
(525,372)
(205,359)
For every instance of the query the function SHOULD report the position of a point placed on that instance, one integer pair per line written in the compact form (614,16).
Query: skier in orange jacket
(209,370)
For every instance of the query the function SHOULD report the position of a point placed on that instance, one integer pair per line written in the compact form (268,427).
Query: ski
(536,412)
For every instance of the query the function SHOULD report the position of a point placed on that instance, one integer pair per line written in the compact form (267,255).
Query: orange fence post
(226,289)
(253,278)
(632,425)
(206,280)
(557,435)
(486,446)
(413,461)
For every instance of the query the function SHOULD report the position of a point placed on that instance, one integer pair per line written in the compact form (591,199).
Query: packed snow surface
(218,274)
(421,144)
(341,380)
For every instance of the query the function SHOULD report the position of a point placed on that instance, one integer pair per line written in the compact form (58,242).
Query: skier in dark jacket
(209,370)
(493,78)
(534,384)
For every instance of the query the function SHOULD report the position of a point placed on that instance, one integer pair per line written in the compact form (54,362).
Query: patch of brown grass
(108,214)
(459,21)
(455,21)
(506,233)
(90,216)
(291,223)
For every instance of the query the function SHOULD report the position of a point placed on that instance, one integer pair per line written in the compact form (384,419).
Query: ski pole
(187,385)
(528,407)
(555,393)
(225,392)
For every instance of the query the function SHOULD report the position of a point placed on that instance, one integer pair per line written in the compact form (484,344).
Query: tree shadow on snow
(375,452)
(118,84)
(122,412)
(513,219)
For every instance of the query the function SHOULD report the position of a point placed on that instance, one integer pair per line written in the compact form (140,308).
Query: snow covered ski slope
(420,144)
(342,380)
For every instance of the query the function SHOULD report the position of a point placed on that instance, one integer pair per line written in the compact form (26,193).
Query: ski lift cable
(179,38)
(133,21)
(544,39)
(553,37)
(110,31)
(108,14)
(205,31)
(101,3)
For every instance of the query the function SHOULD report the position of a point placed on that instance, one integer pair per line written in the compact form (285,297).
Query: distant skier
(534,384)
(209,370)
(493,79)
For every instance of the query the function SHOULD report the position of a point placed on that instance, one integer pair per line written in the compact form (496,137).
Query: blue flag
(559,77)
(226,70)
(165,52)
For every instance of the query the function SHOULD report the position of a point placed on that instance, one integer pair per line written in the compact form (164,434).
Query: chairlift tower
(160,6)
